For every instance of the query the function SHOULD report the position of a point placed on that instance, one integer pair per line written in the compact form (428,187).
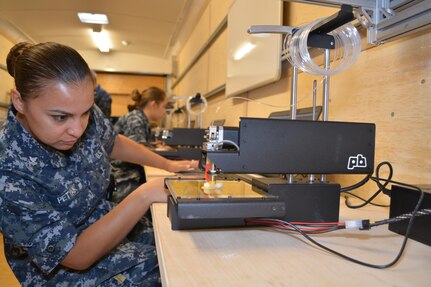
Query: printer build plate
(191,206)
(193,189)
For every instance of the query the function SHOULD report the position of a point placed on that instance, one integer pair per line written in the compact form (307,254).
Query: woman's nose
(77,127)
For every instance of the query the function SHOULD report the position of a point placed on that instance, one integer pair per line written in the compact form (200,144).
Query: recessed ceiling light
(102,40)
(93,18)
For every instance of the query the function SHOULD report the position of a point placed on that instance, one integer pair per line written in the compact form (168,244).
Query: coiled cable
(347,43)
(196,105)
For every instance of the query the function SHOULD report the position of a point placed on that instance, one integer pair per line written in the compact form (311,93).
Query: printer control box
(404,200)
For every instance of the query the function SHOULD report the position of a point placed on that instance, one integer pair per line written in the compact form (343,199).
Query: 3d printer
(226,197)
(270,146)
(184,143)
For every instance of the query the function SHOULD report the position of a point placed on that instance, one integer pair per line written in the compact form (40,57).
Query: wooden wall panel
(7,278)
(207,79)
(298,14)
(391,86)
(6,84)
(218,10)
(195,42)
(217,62)
(6,81)
(125,83)
(229,109)
(196,80)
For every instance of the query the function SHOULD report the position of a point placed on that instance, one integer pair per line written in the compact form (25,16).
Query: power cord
(313,228)
(356,185)
(382,187)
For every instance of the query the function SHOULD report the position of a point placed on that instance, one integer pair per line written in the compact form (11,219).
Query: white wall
(125,62)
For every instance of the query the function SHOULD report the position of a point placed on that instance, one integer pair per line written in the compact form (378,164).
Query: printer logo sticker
(356,161)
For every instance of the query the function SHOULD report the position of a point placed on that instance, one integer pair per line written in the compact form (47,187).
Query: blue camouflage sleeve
(103,100)
(104,128)
(136,128)
(32,224)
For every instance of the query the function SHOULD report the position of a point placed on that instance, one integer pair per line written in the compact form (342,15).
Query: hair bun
(136,95)
(14,53)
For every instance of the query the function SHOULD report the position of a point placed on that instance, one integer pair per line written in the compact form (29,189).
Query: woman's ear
(153,104)
(17,100)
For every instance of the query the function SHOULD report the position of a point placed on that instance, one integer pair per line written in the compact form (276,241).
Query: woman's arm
(102,236)
(128,150)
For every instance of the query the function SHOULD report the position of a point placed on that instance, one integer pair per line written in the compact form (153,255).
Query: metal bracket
(385,20)
(318,37)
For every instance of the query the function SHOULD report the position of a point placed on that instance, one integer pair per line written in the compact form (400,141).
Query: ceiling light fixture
(102,40)
(93,18)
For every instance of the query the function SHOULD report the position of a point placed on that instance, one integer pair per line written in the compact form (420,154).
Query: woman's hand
(154,190)
(182,165)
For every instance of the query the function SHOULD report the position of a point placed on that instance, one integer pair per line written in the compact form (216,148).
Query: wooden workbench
(261,256)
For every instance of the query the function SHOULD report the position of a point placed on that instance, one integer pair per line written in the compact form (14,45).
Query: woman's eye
(59,118)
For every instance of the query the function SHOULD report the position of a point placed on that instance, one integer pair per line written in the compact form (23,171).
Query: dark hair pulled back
(34,66)
(148,95)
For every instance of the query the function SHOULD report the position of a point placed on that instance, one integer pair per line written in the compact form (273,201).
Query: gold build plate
(193,189)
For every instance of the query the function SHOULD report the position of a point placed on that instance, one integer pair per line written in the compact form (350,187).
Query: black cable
(367,201)
(405,216)
(382,187)
(406,236)
(403,245)
(356,185)
(360,198)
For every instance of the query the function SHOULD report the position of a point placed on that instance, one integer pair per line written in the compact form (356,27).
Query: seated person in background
(55,146)
(101,97)
(150,106)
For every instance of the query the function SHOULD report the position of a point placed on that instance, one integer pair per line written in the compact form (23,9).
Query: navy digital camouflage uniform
(103,100)
(128,177)
(47,198)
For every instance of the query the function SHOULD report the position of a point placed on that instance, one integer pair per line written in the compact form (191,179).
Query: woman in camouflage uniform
(150,106)
(59,230)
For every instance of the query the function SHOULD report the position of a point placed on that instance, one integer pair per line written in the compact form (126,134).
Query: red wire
(309,226)
(320,223)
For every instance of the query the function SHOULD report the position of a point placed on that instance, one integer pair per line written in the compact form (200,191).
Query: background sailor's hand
(182,165)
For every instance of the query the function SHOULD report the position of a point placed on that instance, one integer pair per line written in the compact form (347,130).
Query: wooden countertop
(261,256)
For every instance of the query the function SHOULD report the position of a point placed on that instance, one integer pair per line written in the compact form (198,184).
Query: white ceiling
(152,27)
